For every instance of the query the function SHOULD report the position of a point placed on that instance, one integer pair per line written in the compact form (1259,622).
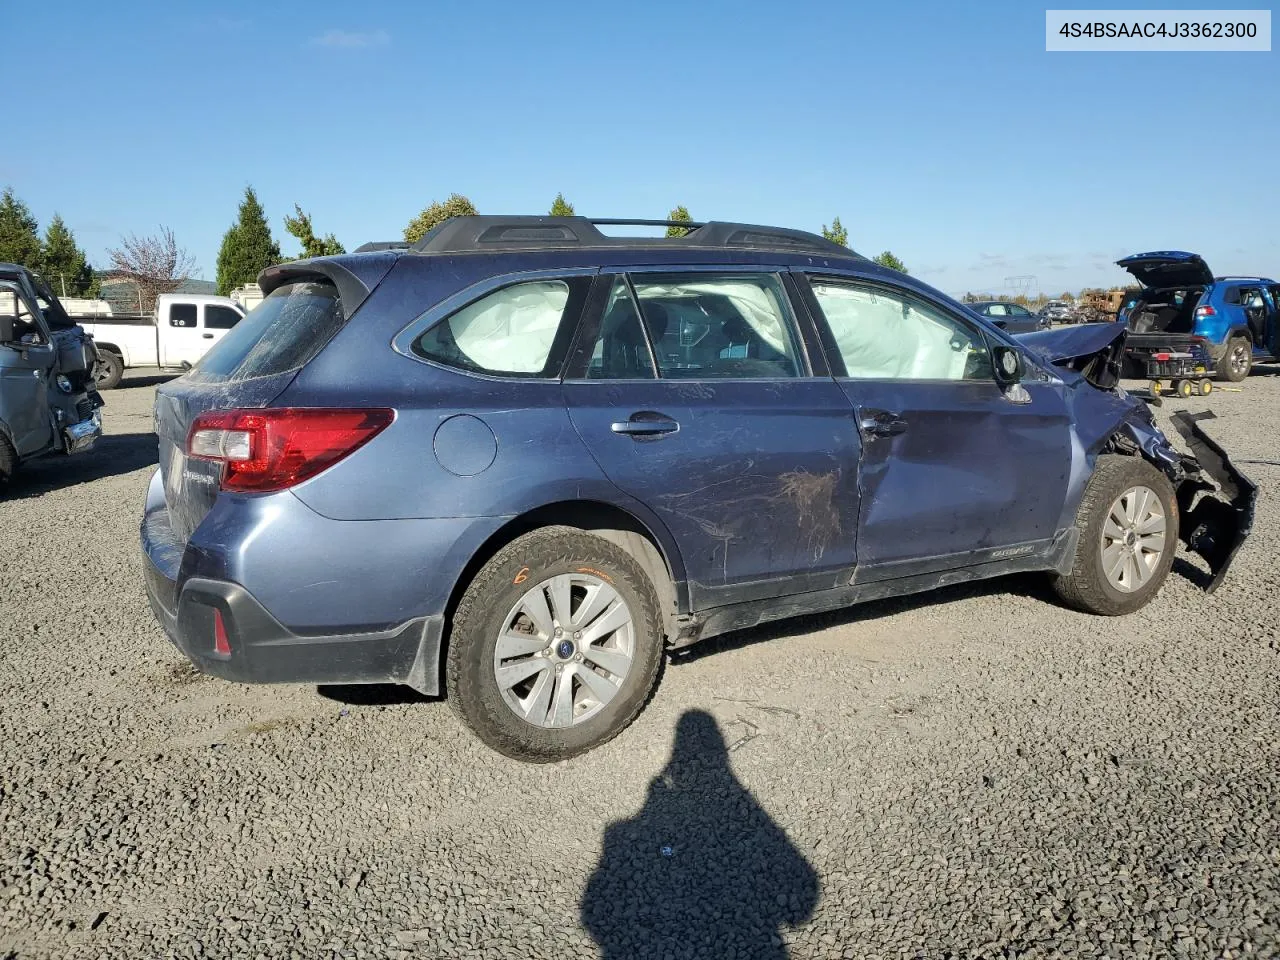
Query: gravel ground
(975,773)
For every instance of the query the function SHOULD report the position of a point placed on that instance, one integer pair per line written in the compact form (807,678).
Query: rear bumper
(262,649)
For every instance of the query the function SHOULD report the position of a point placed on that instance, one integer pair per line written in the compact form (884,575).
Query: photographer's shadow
(702,870)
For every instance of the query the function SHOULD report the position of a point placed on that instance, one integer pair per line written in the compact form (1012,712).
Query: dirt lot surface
(976,772)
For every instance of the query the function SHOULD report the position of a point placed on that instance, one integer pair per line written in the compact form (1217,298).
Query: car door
(181,335)
(696,393)
(25,364)
(1273,325)
(1020,320)
(216,320)
(955,470)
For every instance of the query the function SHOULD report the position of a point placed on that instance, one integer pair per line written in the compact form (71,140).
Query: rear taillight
(275,448)
(1205,312)
(221,645)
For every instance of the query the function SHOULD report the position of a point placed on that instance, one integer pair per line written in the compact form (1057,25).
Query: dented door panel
(969,472)
(757,483)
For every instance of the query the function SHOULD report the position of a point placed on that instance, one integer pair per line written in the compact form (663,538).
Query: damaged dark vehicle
(48,403)
(578,450)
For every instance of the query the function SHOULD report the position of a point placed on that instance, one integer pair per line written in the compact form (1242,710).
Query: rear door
(180,334)
(955,471)
(696,392)
(215,320)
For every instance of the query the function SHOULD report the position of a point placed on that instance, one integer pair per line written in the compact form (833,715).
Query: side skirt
(1059,558)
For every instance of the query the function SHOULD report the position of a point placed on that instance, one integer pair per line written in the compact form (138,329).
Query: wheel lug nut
(578,658)
(577,635)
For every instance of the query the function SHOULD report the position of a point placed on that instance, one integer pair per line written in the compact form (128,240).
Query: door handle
(882,425)
(208,336)
(645,424)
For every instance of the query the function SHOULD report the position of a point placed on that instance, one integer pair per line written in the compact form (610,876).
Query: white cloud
(352,40)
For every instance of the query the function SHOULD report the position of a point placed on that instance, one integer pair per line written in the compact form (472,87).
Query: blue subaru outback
(516,461)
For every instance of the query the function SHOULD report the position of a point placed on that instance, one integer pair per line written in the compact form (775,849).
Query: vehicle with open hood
(47,400)
(1182,305)
(518,460)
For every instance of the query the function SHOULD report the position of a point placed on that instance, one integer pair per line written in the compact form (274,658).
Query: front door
(24,375)
(955,470)
(706,412)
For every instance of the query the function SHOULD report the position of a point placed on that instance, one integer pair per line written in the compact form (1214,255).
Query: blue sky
(941,131)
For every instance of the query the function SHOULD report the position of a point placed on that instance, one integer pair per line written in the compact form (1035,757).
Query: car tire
(1237,360)
(8,460)
(520,596)
(109,371)
(1103,579)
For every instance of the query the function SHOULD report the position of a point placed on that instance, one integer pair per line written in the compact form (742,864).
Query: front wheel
(555,647)
(1128,524)
(109,371)
(1236,361)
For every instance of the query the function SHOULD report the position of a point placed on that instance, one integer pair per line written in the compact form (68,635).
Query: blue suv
(1238,318)
(519,459)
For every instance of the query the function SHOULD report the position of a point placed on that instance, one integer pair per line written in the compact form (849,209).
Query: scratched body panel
(759,483)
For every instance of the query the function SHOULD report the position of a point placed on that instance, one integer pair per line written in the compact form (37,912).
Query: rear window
(279,335)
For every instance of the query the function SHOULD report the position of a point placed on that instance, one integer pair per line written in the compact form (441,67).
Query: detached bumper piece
(81,436)
(1216,520)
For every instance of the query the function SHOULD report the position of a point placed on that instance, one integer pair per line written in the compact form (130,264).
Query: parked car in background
(1057,311)
(47,400)
(177,334)
(519,459)
(1234,317)
(1008,316)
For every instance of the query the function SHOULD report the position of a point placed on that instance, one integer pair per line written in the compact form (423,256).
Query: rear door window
(279,335)
(718,326)
(521,330)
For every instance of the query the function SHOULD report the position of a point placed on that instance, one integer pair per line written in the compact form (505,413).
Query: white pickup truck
(180,332)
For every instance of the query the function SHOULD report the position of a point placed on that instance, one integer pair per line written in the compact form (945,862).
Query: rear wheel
(1205,387)
(1184,389)
(110,368)
(1236,360)
(1128,524)
(1157,387)
(555,646)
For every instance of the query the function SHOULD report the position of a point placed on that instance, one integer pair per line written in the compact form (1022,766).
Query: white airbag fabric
(882,337)
(511,330)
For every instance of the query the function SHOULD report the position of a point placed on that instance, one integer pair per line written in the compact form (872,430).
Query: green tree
(887,259)
(299,225)
(19,239)
(561,207)
(836,233)
(437,213)
(680,215)
(62,263)
(247,247)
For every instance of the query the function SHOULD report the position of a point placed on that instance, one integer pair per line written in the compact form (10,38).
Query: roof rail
(481,233)
(376,245)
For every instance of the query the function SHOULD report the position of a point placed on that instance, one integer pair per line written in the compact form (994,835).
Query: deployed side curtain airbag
(882,337)
(513,329)
(757,304)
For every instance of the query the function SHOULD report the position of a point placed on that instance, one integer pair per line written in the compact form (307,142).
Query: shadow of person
(701,870)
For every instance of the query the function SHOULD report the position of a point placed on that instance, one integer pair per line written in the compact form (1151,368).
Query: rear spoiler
(354,276)
(1213,527)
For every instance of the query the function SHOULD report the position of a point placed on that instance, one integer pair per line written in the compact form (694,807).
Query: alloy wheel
(1133,539)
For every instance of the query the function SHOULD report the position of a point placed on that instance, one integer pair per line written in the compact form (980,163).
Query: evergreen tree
(437,213)
(836,233)
(887,259)
(62,263)
(561,207)
(19,240)
(681,215)
(247,248)
(300,227)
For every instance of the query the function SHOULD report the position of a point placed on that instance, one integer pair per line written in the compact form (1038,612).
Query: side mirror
(6,329)
(1008,364)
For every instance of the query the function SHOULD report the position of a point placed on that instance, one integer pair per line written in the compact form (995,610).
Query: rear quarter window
(281,334)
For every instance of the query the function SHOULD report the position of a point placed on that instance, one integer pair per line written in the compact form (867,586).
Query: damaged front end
(1215,500)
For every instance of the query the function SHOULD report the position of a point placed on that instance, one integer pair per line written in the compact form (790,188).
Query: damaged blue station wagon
(515,461)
